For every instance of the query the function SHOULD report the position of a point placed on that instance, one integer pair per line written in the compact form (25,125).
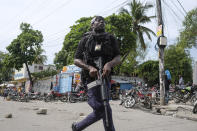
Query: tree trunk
(29,74)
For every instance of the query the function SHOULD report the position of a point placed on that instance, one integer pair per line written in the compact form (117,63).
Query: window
(40,67)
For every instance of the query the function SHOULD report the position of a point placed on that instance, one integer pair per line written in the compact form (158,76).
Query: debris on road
(8,115)
(42,111)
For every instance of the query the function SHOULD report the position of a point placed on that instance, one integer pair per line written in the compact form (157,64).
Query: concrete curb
(175,110)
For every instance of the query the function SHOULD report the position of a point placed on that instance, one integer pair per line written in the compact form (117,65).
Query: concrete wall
(42,86)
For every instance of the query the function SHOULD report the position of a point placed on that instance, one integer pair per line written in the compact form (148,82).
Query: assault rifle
(103,86)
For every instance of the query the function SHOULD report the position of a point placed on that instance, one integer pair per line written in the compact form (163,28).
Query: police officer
(94,44)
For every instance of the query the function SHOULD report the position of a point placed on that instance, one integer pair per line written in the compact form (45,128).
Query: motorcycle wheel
(193,99)
(148,104)
(72,99)
(26,99)
(176,97)
(64,99)
(195,109)
(120,97)
(129,102)
(47,99)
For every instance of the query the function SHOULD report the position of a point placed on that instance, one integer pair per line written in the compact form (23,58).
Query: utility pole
(162,42)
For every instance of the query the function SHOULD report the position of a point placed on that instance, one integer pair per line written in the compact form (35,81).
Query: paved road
(60,116)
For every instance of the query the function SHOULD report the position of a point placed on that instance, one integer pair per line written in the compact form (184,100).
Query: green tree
(44,74)
(188,36)
(177,57)
(137,13)
(149,71)
(22,50)
(6,73)
(119,25)
(178,62)
(39,58)
(71,40)
(128,66)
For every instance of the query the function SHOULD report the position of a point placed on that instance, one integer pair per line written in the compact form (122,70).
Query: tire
(176,97)
(64,99)
(47,99)
(195,109)
(26,99)
(72,99)
(120,97)
(129,102)
(148,104)
(193,99)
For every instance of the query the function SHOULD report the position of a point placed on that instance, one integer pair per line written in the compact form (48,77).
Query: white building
(22,74)
(195,74)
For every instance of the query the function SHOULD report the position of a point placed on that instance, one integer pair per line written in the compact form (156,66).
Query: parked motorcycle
(23,97)
(80,95)
(155,95)
(139,95)
(184,94)
(35,96)
(55,96)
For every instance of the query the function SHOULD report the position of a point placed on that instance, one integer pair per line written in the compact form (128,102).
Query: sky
(54,17)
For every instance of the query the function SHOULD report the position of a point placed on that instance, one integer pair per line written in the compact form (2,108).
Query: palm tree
(137,12)
(40,59)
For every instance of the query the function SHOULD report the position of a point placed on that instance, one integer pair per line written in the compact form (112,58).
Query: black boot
(74,128)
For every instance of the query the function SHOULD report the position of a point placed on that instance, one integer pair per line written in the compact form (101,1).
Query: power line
(52,12)
(107,6)
(182,6)
(24,10)
(118,6)
(49,41)
(39,8)
(52,45)
(67,2)
(16,16)
(64,30)
(61,31)
(177,8)
(42,3)
(186,27)
(172,10)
